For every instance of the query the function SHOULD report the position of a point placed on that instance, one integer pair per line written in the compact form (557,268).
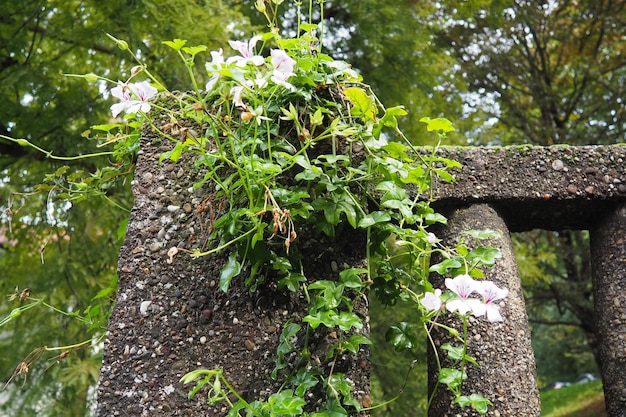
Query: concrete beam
(552,188)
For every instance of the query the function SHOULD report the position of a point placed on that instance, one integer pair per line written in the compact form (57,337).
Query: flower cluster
(235,68)
(462,287)
(134,97)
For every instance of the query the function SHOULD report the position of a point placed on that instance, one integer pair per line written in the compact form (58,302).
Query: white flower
(490,293)
(283,68)
(246,49)
(217,61)
(432,300)
(134,97)
(463,286)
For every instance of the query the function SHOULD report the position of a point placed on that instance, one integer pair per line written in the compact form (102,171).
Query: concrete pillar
(608,255)
(507,374)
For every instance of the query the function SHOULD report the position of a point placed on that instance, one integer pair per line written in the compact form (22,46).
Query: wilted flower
(490,293)
(134,97)
(237,92)
(246,49)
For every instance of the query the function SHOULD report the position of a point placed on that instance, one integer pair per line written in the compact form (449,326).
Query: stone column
(507,374)
(608,257)
(171,318)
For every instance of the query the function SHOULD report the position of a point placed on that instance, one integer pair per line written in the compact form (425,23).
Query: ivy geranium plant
(292,141)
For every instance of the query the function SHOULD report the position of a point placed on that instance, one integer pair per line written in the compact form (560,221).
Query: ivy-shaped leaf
(362,103)
(176,44)
(402,336)
(476,401)
(438,124)
(374,218)
(230,270)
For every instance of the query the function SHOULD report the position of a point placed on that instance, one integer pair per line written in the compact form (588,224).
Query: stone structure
(553,188)
(170,318)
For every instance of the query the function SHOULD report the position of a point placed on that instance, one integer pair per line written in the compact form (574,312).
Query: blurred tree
(549,71)
(66,252)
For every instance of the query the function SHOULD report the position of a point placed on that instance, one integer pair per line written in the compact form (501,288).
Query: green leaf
(194,50)
(485,255)
(442,267)
(352,343)
(402,336)
(173,154)
(176,44)
(398,151)
(292,282)
(441,124)
(374,218)
(476,401)
(350,277)
(484,234)
(362,104)
(304,380)
(317,118)
(284,403)
(392,190)
(453,378)
(456,353)
(230,270)
(347,320)
(107,127)
(432,218)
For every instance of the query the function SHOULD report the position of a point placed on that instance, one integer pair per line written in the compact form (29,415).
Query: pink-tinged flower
(463,286)
(283,64)
(217,60)
(134,97)
(283,68)
(432,300)
(246,49)
(490,293)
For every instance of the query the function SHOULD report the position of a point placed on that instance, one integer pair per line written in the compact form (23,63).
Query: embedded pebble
(557,165)
(143,307)
(203,339)
(172,208)
(249,345)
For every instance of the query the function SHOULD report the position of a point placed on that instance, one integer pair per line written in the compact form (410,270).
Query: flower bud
(260,6)
(136,70)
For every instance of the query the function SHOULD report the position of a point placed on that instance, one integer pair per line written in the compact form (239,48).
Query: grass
(579,400)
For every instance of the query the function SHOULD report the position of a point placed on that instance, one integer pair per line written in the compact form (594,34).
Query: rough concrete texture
(552,188)
(170,318)
(506,375)
(608,246)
